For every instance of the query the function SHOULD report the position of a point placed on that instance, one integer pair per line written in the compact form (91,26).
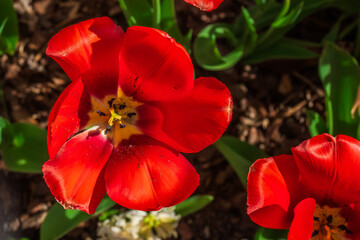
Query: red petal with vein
(68,115)
(346,187)
(75,176)
(90,50)
(302,224)
(205,5)
(148,177)
(273,191)
(191,123)
(153,66)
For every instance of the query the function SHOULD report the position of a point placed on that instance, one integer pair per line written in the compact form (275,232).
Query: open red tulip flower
(315,192)
(205,5)
(132,106)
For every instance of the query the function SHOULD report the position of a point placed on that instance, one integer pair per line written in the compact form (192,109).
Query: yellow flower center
(115,116)
(329,224)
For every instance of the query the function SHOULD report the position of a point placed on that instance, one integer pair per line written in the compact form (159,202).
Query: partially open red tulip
(205,5)
(132,106)
(315,192)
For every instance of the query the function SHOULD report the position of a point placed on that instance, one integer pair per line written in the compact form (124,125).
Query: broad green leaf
(271,234)
(59,221)
(340,76)
(4,123)
(316,123)
(9,32)
(206,51)
(331,36)
(284,49)
(137,13)
(193,204)
(239,154)
(24,148)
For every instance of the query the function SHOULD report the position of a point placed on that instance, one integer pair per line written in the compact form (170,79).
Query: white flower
(140,225)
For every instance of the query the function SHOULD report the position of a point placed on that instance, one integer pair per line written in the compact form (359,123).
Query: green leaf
(239,154)
(24,148)
(9,32)
(290,18)
(284,49)
(271,234)
(207,53)
(59,221)
(193,204)
(4,123)
(340,76)
(316,123)
(137,13)
(169,24)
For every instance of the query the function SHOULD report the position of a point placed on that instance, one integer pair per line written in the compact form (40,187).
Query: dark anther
(100,113)
(122,106)
(131,114)
(314,233)
(110,102)
(316,219)
(108,128)
(344,228)
(136,78)
(329,219)
(122,125)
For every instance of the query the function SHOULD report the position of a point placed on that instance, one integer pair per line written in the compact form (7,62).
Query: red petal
(191,123)
(148,177)
(68,115)
(346,187)
(316,160)
(153,66)
(352,213)
(302,224)
(205,5)
(90,50)
(273,191)
(334,163)
(75,175)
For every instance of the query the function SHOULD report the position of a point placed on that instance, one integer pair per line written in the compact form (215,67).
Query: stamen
(344,228)
(131,114)
(122,125)
(101,114)
(329,219)
(122,106)
(108,129)
(110,102)
(316,219)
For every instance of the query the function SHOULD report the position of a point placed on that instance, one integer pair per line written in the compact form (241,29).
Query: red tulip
(205,5)
(132,106)
(315,191)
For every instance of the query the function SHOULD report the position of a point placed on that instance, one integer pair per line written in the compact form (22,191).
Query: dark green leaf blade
(340,75)
(9,34)
(284,49)
(139,12)
(239,154)
(59,221)
(25,149)
(193,204)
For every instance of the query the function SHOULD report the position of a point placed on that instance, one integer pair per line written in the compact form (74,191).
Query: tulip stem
(157,13)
